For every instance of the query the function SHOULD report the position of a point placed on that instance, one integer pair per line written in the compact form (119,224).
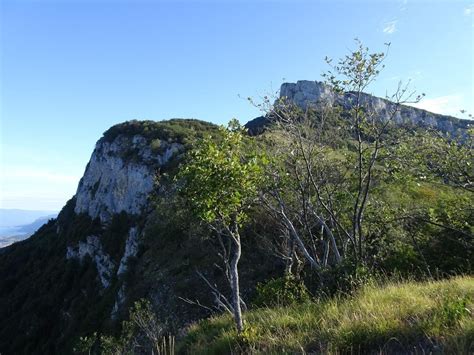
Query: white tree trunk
(234,282)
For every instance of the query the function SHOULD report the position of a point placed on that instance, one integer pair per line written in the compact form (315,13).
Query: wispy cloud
(404,5)
(447,105)
(469,10)
(410,78)
(390,27)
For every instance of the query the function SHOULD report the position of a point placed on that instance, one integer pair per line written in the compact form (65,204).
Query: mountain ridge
(312,94)
(120,238)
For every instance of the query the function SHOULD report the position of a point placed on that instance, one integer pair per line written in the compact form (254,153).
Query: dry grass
(397,317)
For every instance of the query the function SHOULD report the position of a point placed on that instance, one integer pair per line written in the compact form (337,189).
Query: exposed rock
(311,93)
(306,93)
(93,248)
(121,175)
(119,300)
(131,249)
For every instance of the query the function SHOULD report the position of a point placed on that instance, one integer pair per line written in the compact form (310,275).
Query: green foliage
(155,145)
(158,134)
(454,309)
(141,332)
(246,337)
(222,176)
(55,298)
(418,228)
(85,344)
(38,286)
(431,156)
(180,130)
(356,70)
(281,291)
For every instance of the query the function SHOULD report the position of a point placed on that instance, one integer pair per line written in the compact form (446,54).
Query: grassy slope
(396,317)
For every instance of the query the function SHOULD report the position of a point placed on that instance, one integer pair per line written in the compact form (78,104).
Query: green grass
(396,317)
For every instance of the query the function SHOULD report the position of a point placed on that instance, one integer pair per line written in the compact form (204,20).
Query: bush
(283,291)
(180,130)
(345,278)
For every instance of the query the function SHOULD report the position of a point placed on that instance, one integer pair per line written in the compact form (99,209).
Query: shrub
(282,291)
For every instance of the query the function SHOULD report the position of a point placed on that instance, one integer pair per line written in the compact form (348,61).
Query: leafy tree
(374,136)
(449,158)
(221,180)
(330,159)
(441,166)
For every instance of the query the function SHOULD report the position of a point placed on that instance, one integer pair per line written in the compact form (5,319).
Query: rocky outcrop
(121,175)
(306,93)
(93,248)
(119,300)
(131,249)
(312,93)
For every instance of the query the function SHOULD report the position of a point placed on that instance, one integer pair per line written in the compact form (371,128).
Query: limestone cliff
(121,175)
(306,94)
(119,178)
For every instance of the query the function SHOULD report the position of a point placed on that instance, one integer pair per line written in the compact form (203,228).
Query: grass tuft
(396,317)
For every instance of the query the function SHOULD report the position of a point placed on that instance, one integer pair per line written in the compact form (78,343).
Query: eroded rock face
(121,175)
(119,300)
(131,249)
(313,93)
(93,248)
(305,93)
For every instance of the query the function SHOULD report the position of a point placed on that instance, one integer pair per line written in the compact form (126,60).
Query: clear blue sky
(71,69)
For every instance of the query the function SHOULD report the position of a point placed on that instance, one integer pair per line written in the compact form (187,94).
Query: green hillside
(395,317)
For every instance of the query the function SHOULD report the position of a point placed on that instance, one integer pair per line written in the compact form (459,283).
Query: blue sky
(71,69)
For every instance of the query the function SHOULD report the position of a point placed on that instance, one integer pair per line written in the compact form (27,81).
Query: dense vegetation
(289,231)
(181,130)
(46,300)
(348,195)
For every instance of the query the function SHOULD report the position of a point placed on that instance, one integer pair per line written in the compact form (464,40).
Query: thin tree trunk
(314,264)
(331,238)
(234,282)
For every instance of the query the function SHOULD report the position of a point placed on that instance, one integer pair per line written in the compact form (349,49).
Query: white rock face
(131,249)
(105,266)
(119,299)
(93,248)
(120,176)
(306,94)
